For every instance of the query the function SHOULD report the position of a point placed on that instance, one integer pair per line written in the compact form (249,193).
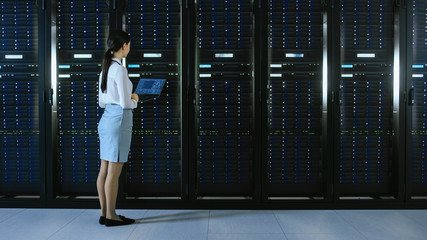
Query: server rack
(21,120)
(79,40)
(224,101)
(155,162)
(416,137)
(368,100)
(296,107)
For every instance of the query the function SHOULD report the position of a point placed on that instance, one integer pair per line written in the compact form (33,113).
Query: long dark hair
(115,41)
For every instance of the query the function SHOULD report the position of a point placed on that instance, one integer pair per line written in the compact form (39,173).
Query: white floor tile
(7,213)
(313,222)
(341,236)
(86,226)
(384,224)
(37,223)
(419,216)
(246,236)
(243,221)
(172,224)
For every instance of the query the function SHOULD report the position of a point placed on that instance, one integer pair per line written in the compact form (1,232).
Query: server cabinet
(79,43)
(20,89)
(417,111)
(368,100)
(156,152)
(224,102)
(296,105)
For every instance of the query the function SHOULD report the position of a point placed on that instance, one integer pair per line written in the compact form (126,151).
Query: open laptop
(149,88)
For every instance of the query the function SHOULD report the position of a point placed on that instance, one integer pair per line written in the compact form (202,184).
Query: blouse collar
(117,61)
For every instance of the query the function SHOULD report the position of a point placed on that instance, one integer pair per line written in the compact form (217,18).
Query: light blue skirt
(115,133)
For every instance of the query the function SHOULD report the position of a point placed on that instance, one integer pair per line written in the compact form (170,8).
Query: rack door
(156,152)
(224,103)
(296,101)
(367,99)
(417,88)
(80,30)
(20,136)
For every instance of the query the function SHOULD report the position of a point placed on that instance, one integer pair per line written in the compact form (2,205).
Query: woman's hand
(135,97)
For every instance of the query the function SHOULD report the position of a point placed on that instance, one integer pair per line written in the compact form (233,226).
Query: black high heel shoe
(102,219)
(125,221)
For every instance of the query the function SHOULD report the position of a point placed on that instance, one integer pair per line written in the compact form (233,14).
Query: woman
(115,126)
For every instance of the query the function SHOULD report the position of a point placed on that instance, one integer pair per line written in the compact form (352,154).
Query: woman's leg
(111,188)
(100,185)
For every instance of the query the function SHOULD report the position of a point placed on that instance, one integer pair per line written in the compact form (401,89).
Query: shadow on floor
(184,216)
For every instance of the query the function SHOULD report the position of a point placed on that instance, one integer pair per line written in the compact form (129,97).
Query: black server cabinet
(417,101)
(367,151)
(156,152)
(20,87)
(296,99)
(224,98)
(79,44)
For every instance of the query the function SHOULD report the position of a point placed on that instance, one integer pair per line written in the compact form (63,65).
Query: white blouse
(119,87)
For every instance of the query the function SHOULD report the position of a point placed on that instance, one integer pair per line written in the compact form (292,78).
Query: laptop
(149,88)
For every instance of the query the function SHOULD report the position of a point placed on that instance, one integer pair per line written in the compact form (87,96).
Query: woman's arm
(123,86)
(101,102)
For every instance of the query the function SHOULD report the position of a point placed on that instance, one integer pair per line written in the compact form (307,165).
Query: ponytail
(106,62)
(115,41)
